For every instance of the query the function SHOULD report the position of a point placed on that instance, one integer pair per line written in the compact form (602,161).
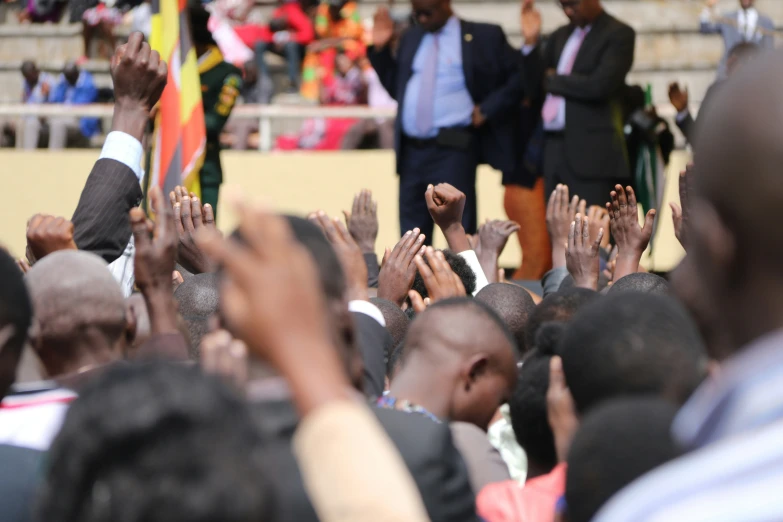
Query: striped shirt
(734,426)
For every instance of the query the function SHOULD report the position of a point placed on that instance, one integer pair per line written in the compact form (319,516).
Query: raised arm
(380,54)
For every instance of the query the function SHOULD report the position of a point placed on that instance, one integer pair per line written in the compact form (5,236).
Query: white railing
(263,113)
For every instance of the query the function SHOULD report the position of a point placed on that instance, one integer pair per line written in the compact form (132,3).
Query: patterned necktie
(429,73)
(552,103)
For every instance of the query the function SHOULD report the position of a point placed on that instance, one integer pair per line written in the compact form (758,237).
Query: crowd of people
(152,368)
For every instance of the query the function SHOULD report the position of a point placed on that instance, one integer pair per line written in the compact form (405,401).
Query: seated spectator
(42,11)
(140,18)
(379,131)
(100,21)
(36,88)
(287,33)
(338,28)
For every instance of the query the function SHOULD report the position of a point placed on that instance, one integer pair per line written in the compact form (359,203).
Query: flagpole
(149,134)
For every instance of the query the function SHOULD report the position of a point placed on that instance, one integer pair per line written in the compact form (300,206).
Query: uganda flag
(180,135)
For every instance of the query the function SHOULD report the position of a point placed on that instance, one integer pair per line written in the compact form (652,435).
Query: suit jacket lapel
(595,33)
(466,37)
(406,59)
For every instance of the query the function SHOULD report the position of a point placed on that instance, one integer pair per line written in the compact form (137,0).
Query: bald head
(513,304)
(73,291)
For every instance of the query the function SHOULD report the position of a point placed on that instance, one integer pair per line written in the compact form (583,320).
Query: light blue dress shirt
(453,105)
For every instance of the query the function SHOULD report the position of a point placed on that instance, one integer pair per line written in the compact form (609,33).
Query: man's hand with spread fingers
(632,240)
(560,214)
(492,238)
(582,254)
(398,269)
(189,217)
(362,221)
(439,279)
(348,252)
(47,234)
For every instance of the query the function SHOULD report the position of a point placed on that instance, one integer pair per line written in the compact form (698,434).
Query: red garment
(299,24)
(535,502)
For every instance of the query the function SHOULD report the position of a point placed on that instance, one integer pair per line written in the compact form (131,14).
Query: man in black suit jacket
(458,87)
(581,71)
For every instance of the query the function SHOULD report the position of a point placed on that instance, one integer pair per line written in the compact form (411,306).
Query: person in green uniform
(220,86)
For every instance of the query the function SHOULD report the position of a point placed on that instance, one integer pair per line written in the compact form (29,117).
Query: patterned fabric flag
(180,135)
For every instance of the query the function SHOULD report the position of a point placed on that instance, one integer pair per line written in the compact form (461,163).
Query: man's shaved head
(73,294)
(460,358)
(513,304)
(396,321)
(734,250)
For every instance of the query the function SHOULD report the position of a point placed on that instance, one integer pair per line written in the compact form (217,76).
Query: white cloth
(747,23)
(126,149)
(472,260)
(367,308)
(33,420)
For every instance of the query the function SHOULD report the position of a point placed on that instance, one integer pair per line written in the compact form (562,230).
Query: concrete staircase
(668,46)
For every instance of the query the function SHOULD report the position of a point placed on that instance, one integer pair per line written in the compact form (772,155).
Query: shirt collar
(727,403)
(450,27)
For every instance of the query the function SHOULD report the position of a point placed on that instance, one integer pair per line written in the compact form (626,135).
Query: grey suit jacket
(732,36)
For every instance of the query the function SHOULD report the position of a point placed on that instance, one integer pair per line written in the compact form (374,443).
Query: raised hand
(678,96)
(530,22)
(492,239)
(446,205)
(582,254)
(221,354)
(680,211)
(189,217)
(154,260)
(362,221)
(348,252)
(270,299)
(47,234)
(139,77)
(599,219)
(560,213)
(439,279)
(631,239)
(382,27)
(398,269)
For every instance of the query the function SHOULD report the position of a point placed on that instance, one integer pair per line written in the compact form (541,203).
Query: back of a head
(198,298)
(513,304)
(72,290)
(459,266)
(557,307)
(632,344)
(156,442)
(15,312)
(641,282)
(396,321)
(617,443)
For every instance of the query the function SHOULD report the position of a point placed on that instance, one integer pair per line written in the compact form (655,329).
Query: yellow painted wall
(51,182)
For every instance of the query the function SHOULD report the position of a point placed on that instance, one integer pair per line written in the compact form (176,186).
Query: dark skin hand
(632,240)
(446,204)
(560,214)
(221,354)
(398,269)
(560,408)
(680,211)
(268,300)
(382,28)
(139,77)
(189,217)
(349,254)
(47,234)
(439,279)
(156,254)
(582,257)
(491,240)
(362,221)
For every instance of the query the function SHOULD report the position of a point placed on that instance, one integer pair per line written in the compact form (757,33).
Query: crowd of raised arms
(154,369)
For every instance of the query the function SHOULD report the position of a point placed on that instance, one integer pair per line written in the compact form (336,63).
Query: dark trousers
(292,52)
(433,164)
(556,170)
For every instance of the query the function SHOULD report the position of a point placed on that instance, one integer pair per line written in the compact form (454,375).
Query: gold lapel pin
(468,37)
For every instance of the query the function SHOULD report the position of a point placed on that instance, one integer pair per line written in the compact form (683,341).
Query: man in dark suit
(458,87)
(581,71)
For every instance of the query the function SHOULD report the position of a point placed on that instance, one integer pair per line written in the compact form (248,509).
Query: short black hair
(527,407)
(199,295)
(395,360)
(480,308)
(199,19)
(632,344)
(618,442)
(458,265)
(28,66)
(16,309)
(156,442)
(641,282)
(557,307)
(513,304)
(743,50)
(396,321)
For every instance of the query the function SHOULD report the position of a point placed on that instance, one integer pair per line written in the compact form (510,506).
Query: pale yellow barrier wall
(51,182)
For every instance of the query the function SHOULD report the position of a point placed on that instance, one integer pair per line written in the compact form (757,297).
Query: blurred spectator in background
(100,21)
(338,28)
(379,132)
(74,87)
(287,34)
(745,24)
(140,18)
(42,11)
(36,88)
(347,88)
(256,89)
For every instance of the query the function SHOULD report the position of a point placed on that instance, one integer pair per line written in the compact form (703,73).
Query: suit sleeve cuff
(367,308)
(471,259)
(124,148)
